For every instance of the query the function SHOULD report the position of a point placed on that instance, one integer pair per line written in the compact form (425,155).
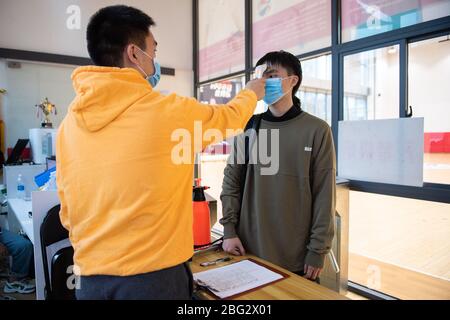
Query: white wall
(429,83)
(28,86)
(2,101)
(429,80)
(41,25)
(385,95)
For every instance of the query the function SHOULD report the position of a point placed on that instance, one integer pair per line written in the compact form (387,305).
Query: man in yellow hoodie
(125,200)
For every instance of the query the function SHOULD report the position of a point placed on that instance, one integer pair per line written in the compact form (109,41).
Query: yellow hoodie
(126,204)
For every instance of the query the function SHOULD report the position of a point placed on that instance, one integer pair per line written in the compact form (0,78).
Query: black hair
(290,63)
(111,29)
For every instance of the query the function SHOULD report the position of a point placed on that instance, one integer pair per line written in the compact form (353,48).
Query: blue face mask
(274,90)
(152,79)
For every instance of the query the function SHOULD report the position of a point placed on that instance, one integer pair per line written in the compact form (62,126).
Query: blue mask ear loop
(142,70)
(153,60)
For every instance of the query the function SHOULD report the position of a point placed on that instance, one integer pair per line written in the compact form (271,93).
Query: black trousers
(175,283)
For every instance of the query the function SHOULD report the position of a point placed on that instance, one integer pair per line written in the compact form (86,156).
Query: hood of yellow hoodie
(104,93)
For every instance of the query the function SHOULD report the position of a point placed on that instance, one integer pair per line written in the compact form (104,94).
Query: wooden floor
(436,168)
(354,296)
(407,241)
(397,281)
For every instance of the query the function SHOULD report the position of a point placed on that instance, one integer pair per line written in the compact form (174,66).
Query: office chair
(51,232)
(60,262)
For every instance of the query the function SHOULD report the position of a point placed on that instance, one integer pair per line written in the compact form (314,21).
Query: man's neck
(281,107)
(128,64)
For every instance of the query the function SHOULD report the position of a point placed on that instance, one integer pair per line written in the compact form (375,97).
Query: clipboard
(272,269)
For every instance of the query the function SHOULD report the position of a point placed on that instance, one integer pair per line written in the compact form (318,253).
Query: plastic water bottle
(20,187)
(3,199)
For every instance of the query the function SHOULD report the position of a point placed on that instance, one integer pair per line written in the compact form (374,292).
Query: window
(297,26)
(371,84)
(428,94)
(221,38)
(315,91)
(400,246)
(363,18)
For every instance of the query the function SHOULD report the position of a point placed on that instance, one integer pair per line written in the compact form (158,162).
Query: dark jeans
(175,283)
(21,250)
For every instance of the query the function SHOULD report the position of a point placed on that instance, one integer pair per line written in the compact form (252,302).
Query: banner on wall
(294,26)
(221,37)
(291,25)
(219,92)
(363,18)
(297,26)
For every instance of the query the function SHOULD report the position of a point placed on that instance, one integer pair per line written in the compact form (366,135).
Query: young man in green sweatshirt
(286,218)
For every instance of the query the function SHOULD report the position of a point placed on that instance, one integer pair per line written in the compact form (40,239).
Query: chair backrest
(63,288)
(51,232)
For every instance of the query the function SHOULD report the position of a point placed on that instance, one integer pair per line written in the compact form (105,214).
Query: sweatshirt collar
(293,112)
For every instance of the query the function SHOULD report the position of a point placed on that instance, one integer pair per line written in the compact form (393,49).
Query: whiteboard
(386,151)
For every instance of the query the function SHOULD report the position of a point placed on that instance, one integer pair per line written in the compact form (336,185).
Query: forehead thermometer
(259,71)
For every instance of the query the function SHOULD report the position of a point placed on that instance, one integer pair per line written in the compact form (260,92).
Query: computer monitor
(17,151)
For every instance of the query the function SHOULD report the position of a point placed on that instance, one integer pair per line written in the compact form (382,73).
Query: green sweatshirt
(286,218)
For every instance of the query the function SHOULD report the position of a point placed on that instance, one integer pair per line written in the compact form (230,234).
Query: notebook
(237,278)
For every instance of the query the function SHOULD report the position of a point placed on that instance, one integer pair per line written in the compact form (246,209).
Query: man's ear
(130,51)
(295,81)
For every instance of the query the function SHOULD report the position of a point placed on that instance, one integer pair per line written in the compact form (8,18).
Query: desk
(28,172)
(41,203)
(292,288)
(20,209)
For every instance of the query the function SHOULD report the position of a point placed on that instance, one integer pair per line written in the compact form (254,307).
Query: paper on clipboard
(236,278)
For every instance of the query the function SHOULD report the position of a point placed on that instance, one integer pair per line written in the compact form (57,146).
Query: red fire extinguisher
(202,227)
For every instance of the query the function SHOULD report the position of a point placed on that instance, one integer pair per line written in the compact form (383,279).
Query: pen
(210,263)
